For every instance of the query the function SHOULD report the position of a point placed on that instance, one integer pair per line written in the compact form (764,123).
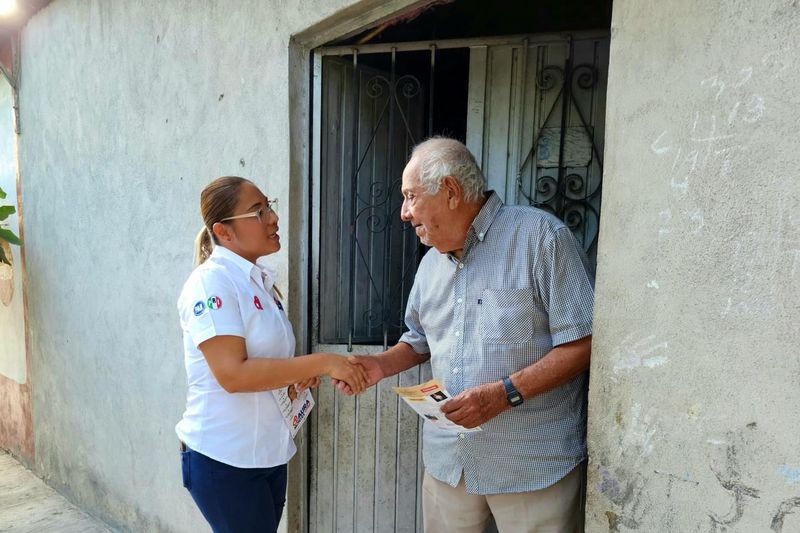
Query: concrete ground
(27,505)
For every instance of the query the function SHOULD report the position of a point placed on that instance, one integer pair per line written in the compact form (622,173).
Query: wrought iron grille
(373,115)
(369,256)
(563,169)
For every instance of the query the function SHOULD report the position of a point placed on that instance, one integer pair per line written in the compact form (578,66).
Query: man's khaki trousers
(554,509)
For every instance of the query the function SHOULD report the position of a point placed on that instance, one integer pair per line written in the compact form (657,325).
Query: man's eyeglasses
(259,214)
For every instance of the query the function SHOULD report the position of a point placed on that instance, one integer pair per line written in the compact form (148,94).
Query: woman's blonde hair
(217,201)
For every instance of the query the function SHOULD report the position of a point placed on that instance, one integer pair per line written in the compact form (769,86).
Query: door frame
(474,112)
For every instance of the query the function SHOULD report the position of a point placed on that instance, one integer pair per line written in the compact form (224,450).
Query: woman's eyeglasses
(259,213)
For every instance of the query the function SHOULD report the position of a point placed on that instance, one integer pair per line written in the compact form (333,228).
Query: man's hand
(371,365)
(349,372)
(477,405)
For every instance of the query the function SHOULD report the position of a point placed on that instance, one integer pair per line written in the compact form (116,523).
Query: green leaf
(8,235)
(2,194)
(3,258)
(6,211)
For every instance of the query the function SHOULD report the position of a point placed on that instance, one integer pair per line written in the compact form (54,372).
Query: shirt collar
(480,225)
(487,214)
(249,269)
(267,273)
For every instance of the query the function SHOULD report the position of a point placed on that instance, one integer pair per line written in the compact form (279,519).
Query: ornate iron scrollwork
(378,216)
(570,194)
(550,77)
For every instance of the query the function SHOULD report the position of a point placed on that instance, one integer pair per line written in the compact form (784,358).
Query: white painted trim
(445,44)
(520,72)
(316,172)
(476,101)
(361,349)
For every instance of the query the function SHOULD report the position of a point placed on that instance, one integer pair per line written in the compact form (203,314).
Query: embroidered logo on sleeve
(257,303)
(215,302)
(199,308)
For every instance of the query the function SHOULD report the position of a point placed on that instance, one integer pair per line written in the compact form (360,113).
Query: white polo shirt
(229,295)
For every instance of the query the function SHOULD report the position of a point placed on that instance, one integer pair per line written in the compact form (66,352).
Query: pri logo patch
(199,308)
(215,302)
(257,303)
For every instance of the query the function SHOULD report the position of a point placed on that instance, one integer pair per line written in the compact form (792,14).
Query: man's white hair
(440,157)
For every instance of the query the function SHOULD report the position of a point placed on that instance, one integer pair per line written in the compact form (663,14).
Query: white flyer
(296,411)
(427,400)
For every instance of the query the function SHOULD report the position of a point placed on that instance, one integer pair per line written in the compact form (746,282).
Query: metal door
(365,452)
(535,124)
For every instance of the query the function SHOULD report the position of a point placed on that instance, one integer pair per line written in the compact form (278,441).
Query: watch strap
(513,395)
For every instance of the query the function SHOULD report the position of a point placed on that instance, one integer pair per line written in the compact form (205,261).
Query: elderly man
(502,306)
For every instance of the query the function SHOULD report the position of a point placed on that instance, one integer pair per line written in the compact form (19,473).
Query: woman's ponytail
(203,246)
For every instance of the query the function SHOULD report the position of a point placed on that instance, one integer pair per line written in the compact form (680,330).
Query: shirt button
(480,236)
(455,370)
(461,265)
(460,435)
(460,300)
(457,333)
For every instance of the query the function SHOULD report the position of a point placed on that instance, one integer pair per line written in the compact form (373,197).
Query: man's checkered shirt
(523,285)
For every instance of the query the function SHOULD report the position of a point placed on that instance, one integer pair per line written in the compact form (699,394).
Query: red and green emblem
(215,302)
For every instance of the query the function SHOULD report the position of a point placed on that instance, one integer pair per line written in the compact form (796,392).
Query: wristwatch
(513,395)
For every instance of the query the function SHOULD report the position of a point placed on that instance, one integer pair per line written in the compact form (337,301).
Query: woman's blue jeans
(235,500)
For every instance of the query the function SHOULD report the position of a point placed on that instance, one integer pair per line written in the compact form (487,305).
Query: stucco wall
(695,377)
(12,354)
(128,110)
(16,425)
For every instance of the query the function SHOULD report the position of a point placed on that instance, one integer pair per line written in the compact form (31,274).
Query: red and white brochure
(295,412)
(427,400)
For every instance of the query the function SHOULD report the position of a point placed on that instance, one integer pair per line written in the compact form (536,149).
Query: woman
(238,346)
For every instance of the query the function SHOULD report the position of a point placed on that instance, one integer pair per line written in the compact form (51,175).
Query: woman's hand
(311,383)
(352,373)
(374,372)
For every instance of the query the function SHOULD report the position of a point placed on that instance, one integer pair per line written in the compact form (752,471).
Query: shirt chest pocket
(506,316)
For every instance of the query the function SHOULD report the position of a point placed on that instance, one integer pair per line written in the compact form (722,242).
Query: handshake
(351,375)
